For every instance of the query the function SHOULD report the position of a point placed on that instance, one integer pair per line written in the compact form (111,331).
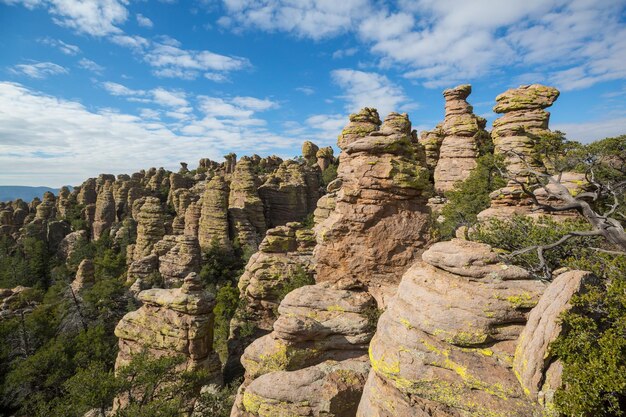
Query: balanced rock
(463,133)
(309,152)
(324,157)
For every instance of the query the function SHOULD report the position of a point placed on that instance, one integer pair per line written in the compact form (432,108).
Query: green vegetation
(470,197)
(329,174)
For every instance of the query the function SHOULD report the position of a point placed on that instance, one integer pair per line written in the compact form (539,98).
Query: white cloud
(135,42)
(216,77)
(116,89)
(572,43)
(330,125)
(143,21)
(341,53)
(306,90)
(169,98)
(312,19)
(589,131)
(255,104)
(91,17)
(66,48)
(369,89)
(90,65)
(64,142)
(38,70)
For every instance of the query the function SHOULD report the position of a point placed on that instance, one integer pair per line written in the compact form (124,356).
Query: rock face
(445,344)
(309,152)
(150,225)
(463,132)
(324,157)
(380,220)
(284,255)
(320,330)
(172,322)
(538,372)
(431,142)
(523,121)
(290,193)
(213,223)
(245,208)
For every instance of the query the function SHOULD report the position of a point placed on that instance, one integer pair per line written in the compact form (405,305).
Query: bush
(227,301)
(329,174)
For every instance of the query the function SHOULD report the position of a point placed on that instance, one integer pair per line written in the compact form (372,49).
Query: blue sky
(114,86)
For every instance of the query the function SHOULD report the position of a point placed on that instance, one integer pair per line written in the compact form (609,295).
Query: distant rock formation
(85,277)
(245,208)
(463,132)
(180,260)
(213,223)
(150,225)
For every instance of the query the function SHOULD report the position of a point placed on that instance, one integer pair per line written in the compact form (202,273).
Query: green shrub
(227,301)
(329,174)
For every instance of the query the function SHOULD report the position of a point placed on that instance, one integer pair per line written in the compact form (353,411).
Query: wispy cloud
(143,21)
(66,48)
(306,90)
(38,70)
(90,65)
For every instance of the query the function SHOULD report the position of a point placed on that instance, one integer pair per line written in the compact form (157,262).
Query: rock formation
(309,152)
(171,322)
(15,302)
(445,344)
(538,372)
(290,193)
(320,330)
(380,220)
(523,122)
(85,277)
(431,142)
(463,133)
(325,157)
(150,225)
(245,208)
(105,213)
(284,255)
(213,223)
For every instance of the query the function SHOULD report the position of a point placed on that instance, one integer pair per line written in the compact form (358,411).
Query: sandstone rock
(213,223)
(380,220)
(331,389)
(533,361)
(47,209)
(64,202)
(445,344)
(181,260)
(431,142)
(230,163)
(245,208)
(142,270)
(463,133)
(192,218)
(85,277)
(290,193)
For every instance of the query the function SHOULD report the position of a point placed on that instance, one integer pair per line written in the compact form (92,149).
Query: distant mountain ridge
(26,193)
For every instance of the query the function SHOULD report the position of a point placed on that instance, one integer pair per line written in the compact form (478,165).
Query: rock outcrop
(105,213)
(85,277)
(379,224)
(523,122)
(445,344)
(319,328)
(245,208)
(178,262)
(213,223)
(283,257)
(150,225)
(290,193)
(463,132)
(538,371)
(172,322)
